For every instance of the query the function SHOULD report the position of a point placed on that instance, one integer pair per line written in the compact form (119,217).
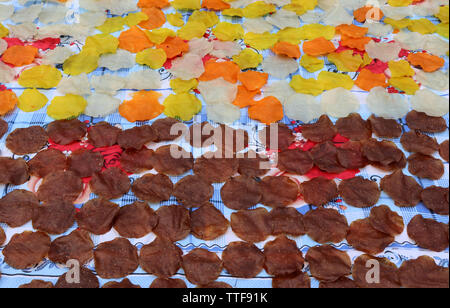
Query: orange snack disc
(287,49)
(216,5)
(429,63)
(368,12)
(253,80)
(8,101)
(352,31)
(355,43)
(156,18)
(160,4)
(174,46)
(20,55)
(368,80)
(268,110)
(318,47)
(228,70)
(143,106)
(245,97)
(134,40)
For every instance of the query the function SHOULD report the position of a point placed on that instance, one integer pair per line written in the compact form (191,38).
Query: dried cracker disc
(187,67)
(108,84)
(101,105)
(430,103)
(339,103)
(223,113)
(217,91)
(302,107)
(116,61)
(279,67)
(143,80)
(383,51)
(78,85)
(387,105)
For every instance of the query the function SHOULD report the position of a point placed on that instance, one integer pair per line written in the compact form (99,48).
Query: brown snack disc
(161,258)
(162,128)
(403,189)
(283,134)
(296,281)
(425,166)
(386,221)
(435,198)
(202,266)
(97,216)
(137,161)
(385,128)
(283,257)
(65,132)
(354,127)
(388,273)
(54,217)
(28,140)
(341,283)
(208,223)
(384,155)
(325,157)
(193,191)
(363,237)
(229,140)
(3,127)
(252,226)
(416,142)
(112,183)
(243,260)
(174,223)
(326,225)
(215,170)
(319,191)
(136,137)
(253,164)
(168,283)
(216,285)
(241,192)
(26,249)
(16,208)
(295,161)
(153,188)
(164,162)
(87,281)
(278,191)
(116,259)
(423,272)
(37,284)
(103,135)
(60,185)
(425,123)
(124,284)
(328,264)
(428,233)
(350,156)
(359,192)
(135,220)
(75,246)
(85,163)
(287,221)
(200,135)
(321,131)
(13,171)
(46,162)
(443,150)
(2,236)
